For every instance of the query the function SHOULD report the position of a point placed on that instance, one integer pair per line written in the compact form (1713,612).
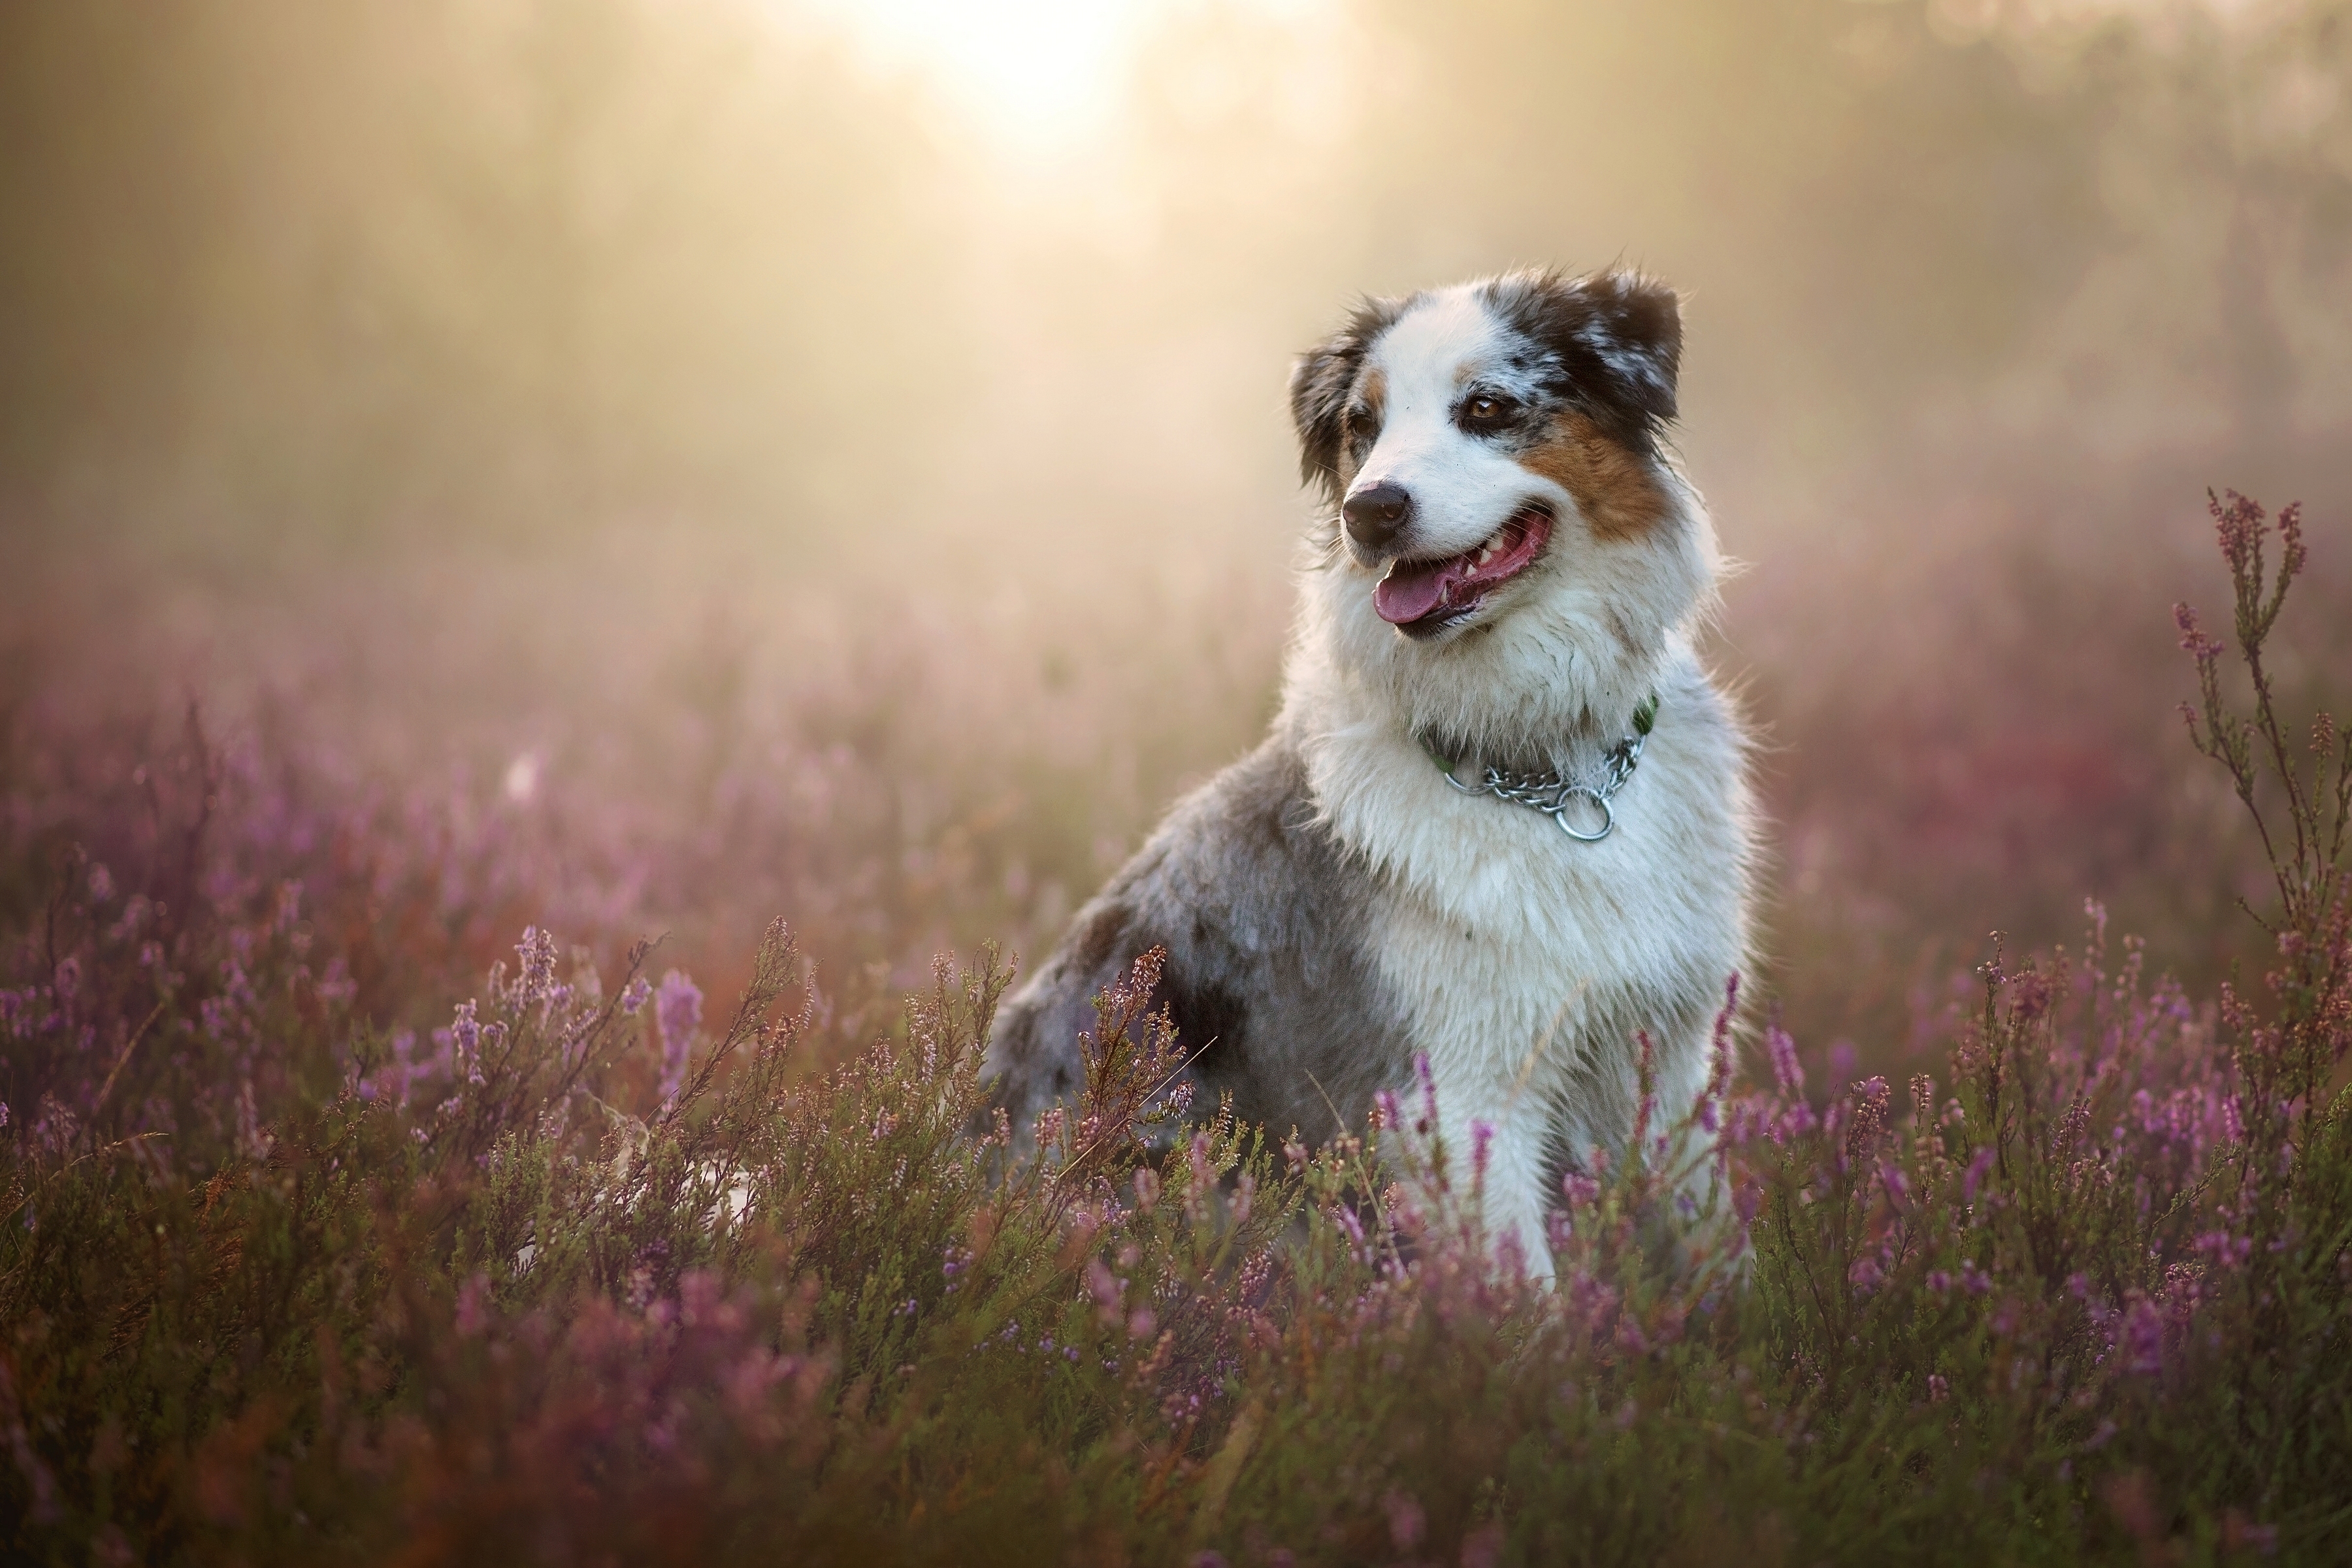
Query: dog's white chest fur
(1516,952)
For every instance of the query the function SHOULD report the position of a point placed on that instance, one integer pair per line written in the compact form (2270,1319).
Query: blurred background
(648,465)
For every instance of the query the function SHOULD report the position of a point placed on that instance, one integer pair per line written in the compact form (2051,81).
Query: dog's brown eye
(1486,411)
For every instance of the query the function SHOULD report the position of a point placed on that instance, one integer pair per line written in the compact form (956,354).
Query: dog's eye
(1486,410)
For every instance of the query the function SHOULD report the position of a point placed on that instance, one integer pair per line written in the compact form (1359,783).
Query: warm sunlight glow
(1042,74)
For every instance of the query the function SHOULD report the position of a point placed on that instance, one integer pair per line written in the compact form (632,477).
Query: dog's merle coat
(1329,907)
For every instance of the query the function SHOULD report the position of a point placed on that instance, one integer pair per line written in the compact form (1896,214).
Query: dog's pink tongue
(1410,591)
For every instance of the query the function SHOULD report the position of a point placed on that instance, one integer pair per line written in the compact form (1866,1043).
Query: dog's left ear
(1641,341)
(1617,339)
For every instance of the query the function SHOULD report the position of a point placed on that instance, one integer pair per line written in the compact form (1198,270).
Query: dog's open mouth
(1421,597)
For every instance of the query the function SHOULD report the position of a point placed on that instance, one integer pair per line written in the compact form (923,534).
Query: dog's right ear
(1320,385)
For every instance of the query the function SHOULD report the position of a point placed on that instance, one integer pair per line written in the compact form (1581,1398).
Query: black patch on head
(1321,383)
(1613,342)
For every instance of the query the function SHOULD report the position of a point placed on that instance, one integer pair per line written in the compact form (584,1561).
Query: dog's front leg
(1493,1160)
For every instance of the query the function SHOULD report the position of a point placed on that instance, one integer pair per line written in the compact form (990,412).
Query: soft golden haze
(524,521)
(919,369)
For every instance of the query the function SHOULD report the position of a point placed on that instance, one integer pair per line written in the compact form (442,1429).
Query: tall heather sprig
(2291,1107)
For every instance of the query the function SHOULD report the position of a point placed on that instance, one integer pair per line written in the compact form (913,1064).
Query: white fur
(1506,942)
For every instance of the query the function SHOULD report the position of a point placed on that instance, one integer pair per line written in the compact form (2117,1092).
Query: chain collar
(1551,792)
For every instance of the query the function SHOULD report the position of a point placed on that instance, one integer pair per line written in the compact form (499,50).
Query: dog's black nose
(1377,514)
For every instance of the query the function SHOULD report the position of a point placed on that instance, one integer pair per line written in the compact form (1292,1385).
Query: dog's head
(1491,454)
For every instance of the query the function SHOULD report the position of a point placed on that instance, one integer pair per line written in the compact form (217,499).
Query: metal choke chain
(1552,793)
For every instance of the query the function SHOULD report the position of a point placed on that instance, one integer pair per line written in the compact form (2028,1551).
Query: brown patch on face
(1616,491)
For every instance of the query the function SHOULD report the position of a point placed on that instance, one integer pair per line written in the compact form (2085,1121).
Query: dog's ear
(1617,337)
(1322,381)
(1641,341)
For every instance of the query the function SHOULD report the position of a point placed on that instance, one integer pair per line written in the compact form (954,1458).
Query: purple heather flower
(1976,1172)
(2242,1535)
(2193,638)
(472,1305)
(1897,1185)
(678,1013)
(461,1043)
(1104,1286)
(404,1047)
(2227,1251)
(535,974)
(465,1032)
(677,1006)
(1788,1072)
(701,1299)
(1406,1520)
(1482,1150)
(2143,1337)
(634,994)
(101,885)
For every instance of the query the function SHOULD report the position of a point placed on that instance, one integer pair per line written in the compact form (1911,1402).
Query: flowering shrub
(312,1247)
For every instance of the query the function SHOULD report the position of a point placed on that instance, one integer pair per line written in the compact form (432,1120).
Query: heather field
(322,1243)
(583,583)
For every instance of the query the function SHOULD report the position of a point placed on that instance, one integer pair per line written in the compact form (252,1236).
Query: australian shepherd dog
(1501,821)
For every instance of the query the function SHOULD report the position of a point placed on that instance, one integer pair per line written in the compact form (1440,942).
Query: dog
(1501,820)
